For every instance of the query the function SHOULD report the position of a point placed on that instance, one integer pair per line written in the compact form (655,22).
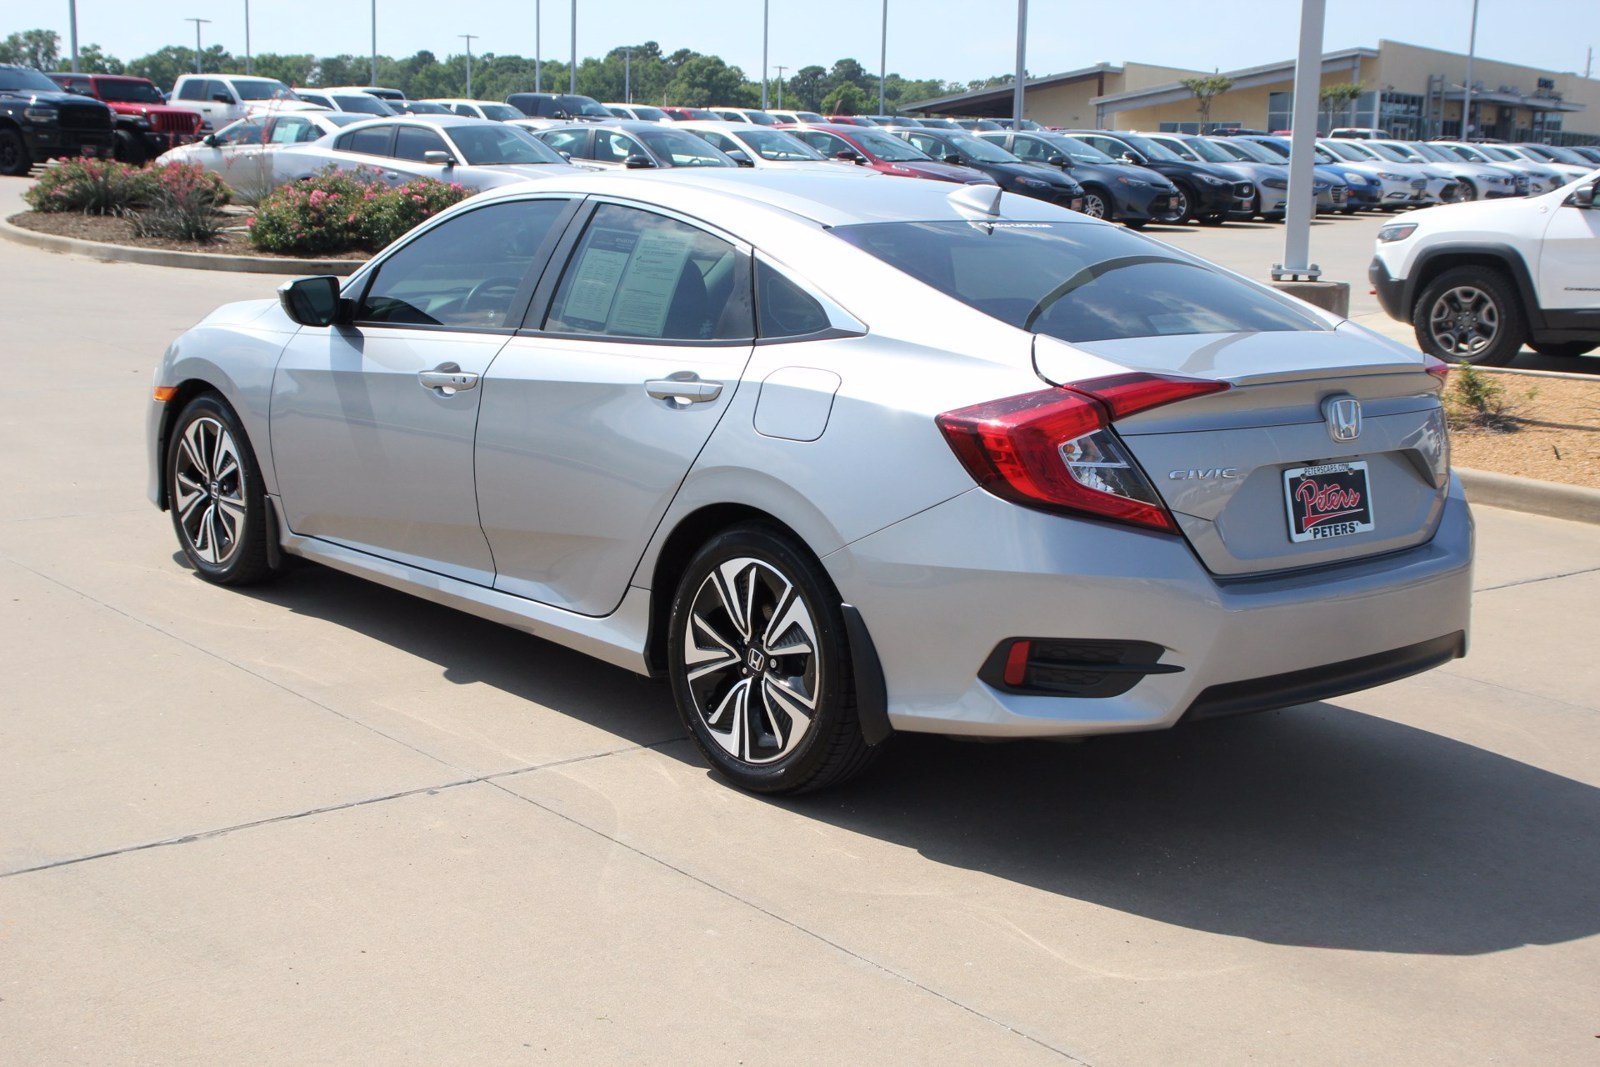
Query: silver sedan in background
(243,153)
(838,459)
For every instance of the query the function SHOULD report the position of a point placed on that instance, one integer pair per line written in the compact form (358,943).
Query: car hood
(40,96)
(1113,171)
(1029,170)
(949,172)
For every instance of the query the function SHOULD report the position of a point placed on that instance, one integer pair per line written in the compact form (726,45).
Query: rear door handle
(447,379)
(685,387)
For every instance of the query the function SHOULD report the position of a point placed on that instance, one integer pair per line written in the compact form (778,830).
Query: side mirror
(1060,161)
(311,301)
(1583,196)
(222,98)
(438,158)
(740,158)
(847,155)
(1131,157)
(638,162)
(953,158)
(565,155)
(212,142)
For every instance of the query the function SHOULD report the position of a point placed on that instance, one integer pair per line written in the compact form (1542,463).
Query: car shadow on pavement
(1316,826)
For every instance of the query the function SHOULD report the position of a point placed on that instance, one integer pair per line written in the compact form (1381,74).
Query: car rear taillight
(1055,449)
(1436,367)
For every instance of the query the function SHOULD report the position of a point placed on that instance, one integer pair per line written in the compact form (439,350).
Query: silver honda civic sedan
(838,458)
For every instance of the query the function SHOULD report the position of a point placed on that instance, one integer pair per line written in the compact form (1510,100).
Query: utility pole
(72,13)
(249,66)
(469,38)
(572,75)
(766,11)
(374,42)
(781,69)
(883,57)
(538,49)
(1466,98)
(197,23)
(1588,64)
(627,75)
(1022,61)
(1302,142)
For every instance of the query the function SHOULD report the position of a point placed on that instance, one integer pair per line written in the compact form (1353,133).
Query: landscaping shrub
(341,211)
(184,204)
(92,187)
(1474,400)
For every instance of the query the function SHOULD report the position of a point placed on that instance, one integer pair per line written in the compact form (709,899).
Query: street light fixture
(469,38)
(197,24)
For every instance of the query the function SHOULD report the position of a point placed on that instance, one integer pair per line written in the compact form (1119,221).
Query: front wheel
(14,158)
(1179,211)
(214,492)
(760,665)
(1470,315)
(129,148)
(1562,348)
(1097,203)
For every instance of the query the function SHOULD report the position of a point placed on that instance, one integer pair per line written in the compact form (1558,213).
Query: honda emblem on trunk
(1343,415)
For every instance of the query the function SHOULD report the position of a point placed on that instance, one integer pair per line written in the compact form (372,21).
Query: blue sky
(930,38)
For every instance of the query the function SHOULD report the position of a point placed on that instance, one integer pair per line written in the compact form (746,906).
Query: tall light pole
(469,38)
(627,75)
(1302,142)
(374,42)
(1022,60)
(781,69)
(197,23)
(538,50)
(766,11)
(249,66)
(572,75)
(72,14)
(1466,99)
(883,57)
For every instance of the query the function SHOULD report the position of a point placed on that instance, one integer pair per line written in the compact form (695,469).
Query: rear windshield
(1074,281)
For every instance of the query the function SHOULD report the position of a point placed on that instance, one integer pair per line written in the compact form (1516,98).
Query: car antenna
(982,198)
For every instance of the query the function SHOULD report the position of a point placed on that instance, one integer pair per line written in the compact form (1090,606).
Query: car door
(593,414)
(220,105)
(235,146)
(372,422)
(1569,281)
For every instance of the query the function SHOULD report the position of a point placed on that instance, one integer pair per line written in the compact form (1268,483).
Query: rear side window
(1075,282)
(467,272)
(783,309)
(636,274)
(373,141)
(568,141)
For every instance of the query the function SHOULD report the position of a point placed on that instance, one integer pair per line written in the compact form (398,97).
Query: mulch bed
(1554,432)
(107,229)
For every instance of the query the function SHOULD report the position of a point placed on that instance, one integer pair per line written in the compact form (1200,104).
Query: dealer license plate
(1331,500)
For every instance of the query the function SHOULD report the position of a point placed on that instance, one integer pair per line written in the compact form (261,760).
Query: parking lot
(325,822)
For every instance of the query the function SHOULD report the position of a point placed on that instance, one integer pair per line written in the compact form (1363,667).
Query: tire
(1470,314)
(1563,348)
(1136,224)
(14,158)
(761,681)
(215,495)
(129,148)
(1213,220)
(1469,191)
(1098,204)
(1182,209)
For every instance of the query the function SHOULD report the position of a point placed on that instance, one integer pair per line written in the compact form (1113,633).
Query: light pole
(374,42)
(883,57)
(572,75)
(72,14)
(1302,142)
(1466,99)
(1022,60)
(627,75)
(197,23)
(781,69)
(538,49)
(249,67)
(766,11)
(469,38)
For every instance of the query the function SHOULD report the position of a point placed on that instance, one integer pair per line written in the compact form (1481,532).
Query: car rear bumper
(942,590)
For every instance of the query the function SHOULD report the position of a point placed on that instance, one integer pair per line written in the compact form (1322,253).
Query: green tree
(806,88)
(1206,89)
(1335,98)
(40,49)
(706,80)
(92,59)
(291,70)
(164,66)
(847,99)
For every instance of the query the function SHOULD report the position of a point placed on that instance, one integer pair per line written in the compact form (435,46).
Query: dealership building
(1411,92)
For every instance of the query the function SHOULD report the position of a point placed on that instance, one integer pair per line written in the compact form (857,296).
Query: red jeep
(145,125)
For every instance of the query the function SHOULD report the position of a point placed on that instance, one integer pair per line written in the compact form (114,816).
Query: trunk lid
(1219,462)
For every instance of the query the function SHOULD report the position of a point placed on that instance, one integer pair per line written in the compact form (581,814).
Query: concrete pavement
(322,822)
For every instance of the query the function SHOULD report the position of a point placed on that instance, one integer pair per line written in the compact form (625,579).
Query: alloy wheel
(1464,321)
(1094,206)
(752,660)
(1179,209)
(209,490)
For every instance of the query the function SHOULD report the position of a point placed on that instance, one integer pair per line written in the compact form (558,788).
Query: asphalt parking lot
(324,822)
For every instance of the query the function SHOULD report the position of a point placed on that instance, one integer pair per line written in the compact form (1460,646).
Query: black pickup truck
(39,121)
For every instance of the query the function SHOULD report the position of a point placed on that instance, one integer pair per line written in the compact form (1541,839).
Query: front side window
(414,142)
(568,141)
(640,275)
(720,141)
(193,89)
(775,145)
(261,89)
(613,147)
(681,149)
(372,141)
(499,144)
(1031,150)
(467,272)
(825,143)
(216,89)
(1075,282)
(247,131)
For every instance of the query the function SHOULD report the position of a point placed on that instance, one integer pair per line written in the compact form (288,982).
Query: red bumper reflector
(1017,662)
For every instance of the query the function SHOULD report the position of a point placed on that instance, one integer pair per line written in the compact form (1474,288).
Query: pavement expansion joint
(1536,580)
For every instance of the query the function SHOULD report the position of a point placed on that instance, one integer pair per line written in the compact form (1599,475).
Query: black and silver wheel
(1469,315)
(760,665)
(1563,348)
(215,496)
(1178,207)
(14,158)
(1469,191)
(1097,204)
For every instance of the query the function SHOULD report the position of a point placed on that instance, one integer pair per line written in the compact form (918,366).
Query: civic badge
(1343,415)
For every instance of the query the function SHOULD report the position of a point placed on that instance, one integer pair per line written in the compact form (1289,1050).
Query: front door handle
(683,388)
(447,379)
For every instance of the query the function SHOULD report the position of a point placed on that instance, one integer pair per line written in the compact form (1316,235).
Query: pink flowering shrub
(92,187)
(343,211)
(184,204)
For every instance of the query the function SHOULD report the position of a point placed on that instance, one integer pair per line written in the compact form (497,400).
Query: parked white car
(637,112)
(241,152)
(1541,179)
(476,153)
(757,146)
(354,101)
(224,98)
(478,109)
(1478,281)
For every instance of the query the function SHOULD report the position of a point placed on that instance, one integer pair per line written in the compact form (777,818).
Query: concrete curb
(161,257)
(1573,502)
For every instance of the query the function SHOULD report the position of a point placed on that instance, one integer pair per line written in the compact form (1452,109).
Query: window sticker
(594,285)
(648,285)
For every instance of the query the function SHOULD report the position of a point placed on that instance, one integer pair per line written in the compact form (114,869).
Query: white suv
(224,98)
(1478,281)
